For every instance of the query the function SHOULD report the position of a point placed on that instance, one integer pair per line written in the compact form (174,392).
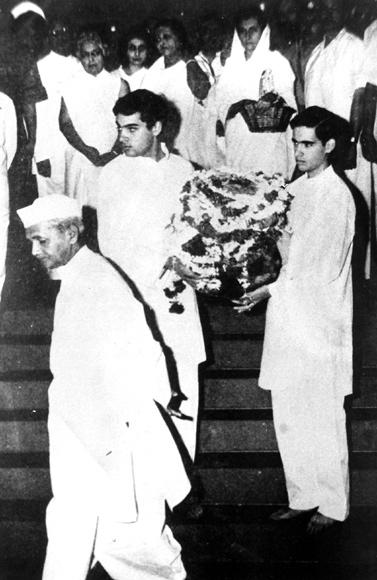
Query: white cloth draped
(334,72)
(4,200)
(240,79)
(135,80)
(308,339)
(202,147)
(136,199)
(55,73)
(9,128)
(108,441)
(90,100)
(172,82)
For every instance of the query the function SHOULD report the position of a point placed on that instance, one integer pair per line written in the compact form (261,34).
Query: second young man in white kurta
(307,353)
(136,198)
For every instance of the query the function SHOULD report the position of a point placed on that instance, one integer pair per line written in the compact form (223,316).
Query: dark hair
(252,12)
(30,19)
(130,35)
(177,29)
(328,126)
(152,107)
(210,33)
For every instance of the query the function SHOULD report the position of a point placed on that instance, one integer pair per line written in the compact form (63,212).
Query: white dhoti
(81,530)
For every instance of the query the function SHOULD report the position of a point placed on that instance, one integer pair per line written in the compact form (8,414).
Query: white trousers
(82,522)
(311,433)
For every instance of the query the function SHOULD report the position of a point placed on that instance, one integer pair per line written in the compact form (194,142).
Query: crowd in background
(234,83)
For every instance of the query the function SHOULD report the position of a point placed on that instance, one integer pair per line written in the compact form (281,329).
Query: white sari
(247,151)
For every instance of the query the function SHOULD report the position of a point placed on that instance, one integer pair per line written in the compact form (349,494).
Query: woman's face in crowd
(91,58)
(249,32)
(167,43)
(136,52)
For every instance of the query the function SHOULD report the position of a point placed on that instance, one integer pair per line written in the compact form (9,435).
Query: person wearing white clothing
(113,462)
(134,50)
(168,76)
(9,120)
(335,77)
(136,197)
(86,119)
(307,351)
(203,72)
(251,72)
(8,147)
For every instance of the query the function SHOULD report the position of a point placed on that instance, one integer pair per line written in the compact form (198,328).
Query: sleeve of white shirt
(10,127)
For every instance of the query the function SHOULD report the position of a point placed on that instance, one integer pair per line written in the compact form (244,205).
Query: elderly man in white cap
(113,461)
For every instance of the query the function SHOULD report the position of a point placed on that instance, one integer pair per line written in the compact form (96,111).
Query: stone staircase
(238,459)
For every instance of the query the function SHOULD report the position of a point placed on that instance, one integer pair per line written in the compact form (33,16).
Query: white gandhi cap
(23,7)
(50,207)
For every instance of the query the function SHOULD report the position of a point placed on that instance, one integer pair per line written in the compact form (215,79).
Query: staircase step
(24,482)
(25,541)
(221,317)
(23,357)
(257,434)
(26,322)
(23,436)
(266,485)
(238,351)
(19,395)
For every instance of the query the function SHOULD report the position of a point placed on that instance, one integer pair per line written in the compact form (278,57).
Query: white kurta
(112,458)
(202,147)
(9,119)
(136,200)
(333,74)
(246,151)
(307,353)
(55,72)
(172,83)
(4,200)
(134,81)
(90,101)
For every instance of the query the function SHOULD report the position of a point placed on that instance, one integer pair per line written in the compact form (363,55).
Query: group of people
(124,141)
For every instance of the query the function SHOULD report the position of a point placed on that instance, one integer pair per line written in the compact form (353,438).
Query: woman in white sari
(257,136)
(168,77)
(87,120)
(134,54)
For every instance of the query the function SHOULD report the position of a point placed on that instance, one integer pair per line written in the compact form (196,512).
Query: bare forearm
(30,116)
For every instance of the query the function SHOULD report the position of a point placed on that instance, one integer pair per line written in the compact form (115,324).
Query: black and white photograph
(188,290)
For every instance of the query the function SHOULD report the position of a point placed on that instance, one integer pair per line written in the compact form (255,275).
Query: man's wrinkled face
(134,137)
(91,58)
(50,246)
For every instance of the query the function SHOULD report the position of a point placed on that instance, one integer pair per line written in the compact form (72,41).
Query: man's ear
(73,234)
(157,128)
(330,146)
